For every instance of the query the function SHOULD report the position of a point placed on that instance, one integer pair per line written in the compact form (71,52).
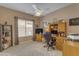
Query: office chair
(52,43)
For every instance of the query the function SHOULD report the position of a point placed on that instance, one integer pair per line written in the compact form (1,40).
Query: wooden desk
(59,42)
(71,48)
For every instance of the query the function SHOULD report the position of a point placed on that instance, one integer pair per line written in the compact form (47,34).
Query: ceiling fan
(38,12)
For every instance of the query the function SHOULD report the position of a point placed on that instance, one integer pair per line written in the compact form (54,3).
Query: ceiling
(27,7)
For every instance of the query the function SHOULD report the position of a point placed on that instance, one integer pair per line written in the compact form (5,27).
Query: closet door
(0,38)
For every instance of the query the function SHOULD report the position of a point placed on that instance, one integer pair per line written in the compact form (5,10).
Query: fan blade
(38,12)
(34,6)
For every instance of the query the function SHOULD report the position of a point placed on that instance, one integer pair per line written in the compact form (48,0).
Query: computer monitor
(39,30)
(54,32)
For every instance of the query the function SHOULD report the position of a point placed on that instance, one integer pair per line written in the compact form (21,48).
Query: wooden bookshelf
(5,37)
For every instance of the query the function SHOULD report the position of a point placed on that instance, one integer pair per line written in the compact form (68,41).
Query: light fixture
(37,14)
(63,21)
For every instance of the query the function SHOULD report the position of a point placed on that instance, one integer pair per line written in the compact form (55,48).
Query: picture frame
(74,22)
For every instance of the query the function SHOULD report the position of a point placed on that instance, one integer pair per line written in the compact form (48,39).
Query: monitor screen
(40,30)
(54,32)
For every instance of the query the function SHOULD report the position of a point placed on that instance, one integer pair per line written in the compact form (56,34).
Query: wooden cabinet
(61,35)
(61,26)
(39,37)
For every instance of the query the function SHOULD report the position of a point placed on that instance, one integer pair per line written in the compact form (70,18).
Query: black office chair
(52,43)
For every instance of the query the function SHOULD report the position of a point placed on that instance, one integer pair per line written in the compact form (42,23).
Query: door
(0,38)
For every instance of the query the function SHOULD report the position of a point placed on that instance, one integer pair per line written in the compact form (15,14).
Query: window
(29,28)
(21,28)
(25,28)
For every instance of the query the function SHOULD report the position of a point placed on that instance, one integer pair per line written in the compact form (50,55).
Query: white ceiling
(27,7)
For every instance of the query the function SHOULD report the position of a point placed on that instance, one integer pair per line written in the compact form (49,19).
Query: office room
(39,29)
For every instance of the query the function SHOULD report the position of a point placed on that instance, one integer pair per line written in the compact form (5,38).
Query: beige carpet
(30,48)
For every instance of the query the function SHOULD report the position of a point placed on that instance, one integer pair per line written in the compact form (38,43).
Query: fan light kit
(38,14)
